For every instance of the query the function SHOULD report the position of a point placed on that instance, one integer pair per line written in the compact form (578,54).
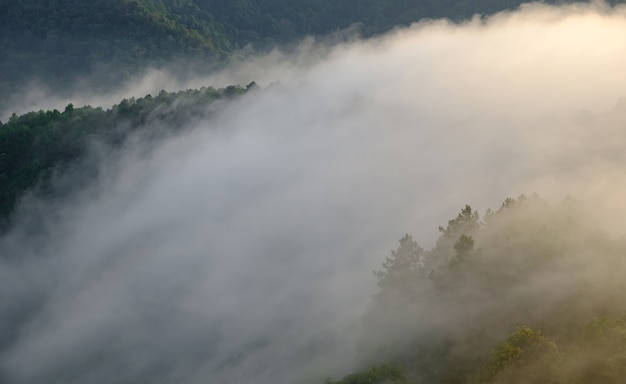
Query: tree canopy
(513,298)
(35,145)
(63,41)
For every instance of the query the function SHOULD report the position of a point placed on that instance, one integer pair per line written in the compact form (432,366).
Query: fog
(241,250)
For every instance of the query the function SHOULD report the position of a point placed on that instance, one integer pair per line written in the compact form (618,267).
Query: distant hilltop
(65,41)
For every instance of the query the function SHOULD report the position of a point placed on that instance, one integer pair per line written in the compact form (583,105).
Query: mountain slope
(532,293)
(59,42)
(35,145)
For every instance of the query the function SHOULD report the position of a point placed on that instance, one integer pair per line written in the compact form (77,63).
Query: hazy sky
(249,241)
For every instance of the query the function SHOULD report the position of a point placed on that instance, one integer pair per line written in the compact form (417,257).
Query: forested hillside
(60,42)
(530,293)
(247,234)
(36,145)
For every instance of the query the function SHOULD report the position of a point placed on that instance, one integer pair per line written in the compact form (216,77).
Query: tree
(466,222)
(463,247)
(402,269)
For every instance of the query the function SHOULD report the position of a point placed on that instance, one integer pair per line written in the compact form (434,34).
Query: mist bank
(242,248)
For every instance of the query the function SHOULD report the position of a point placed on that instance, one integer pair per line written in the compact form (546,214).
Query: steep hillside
(228,235)
(532,293)
(58,42)
(36,144)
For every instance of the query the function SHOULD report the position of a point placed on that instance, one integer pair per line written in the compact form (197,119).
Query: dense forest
(64,41)
(203,257)
(36,145)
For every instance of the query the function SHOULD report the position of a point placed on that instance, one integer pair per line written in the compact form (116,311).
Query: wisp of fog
(241,250)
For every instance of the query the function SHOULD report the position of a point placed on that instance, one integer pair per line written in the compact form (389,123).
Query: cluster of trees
(531,293)
(35,145)
(61,41)
(384,374)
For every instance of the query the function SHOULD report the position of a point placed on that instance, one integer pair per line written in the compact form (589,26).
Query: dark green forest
(61,42)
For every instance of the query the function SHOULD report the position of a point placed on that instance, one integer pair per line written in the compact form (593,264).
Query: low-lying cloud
(241,251)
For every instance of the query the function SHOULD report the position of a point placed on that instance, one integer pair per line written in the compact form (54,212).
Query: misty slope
(35,145)
(205,238)
(530,294)
(101,42)
(62,41)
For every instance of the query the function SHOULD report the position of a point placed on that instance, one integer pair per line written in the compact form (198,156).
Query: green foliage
(402,269)
(464,246)
(605,330)
(465,222)
(61,41)
(600,355)
(522,347)
(383,374)
(452,314)
(35,145)
(456,240)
